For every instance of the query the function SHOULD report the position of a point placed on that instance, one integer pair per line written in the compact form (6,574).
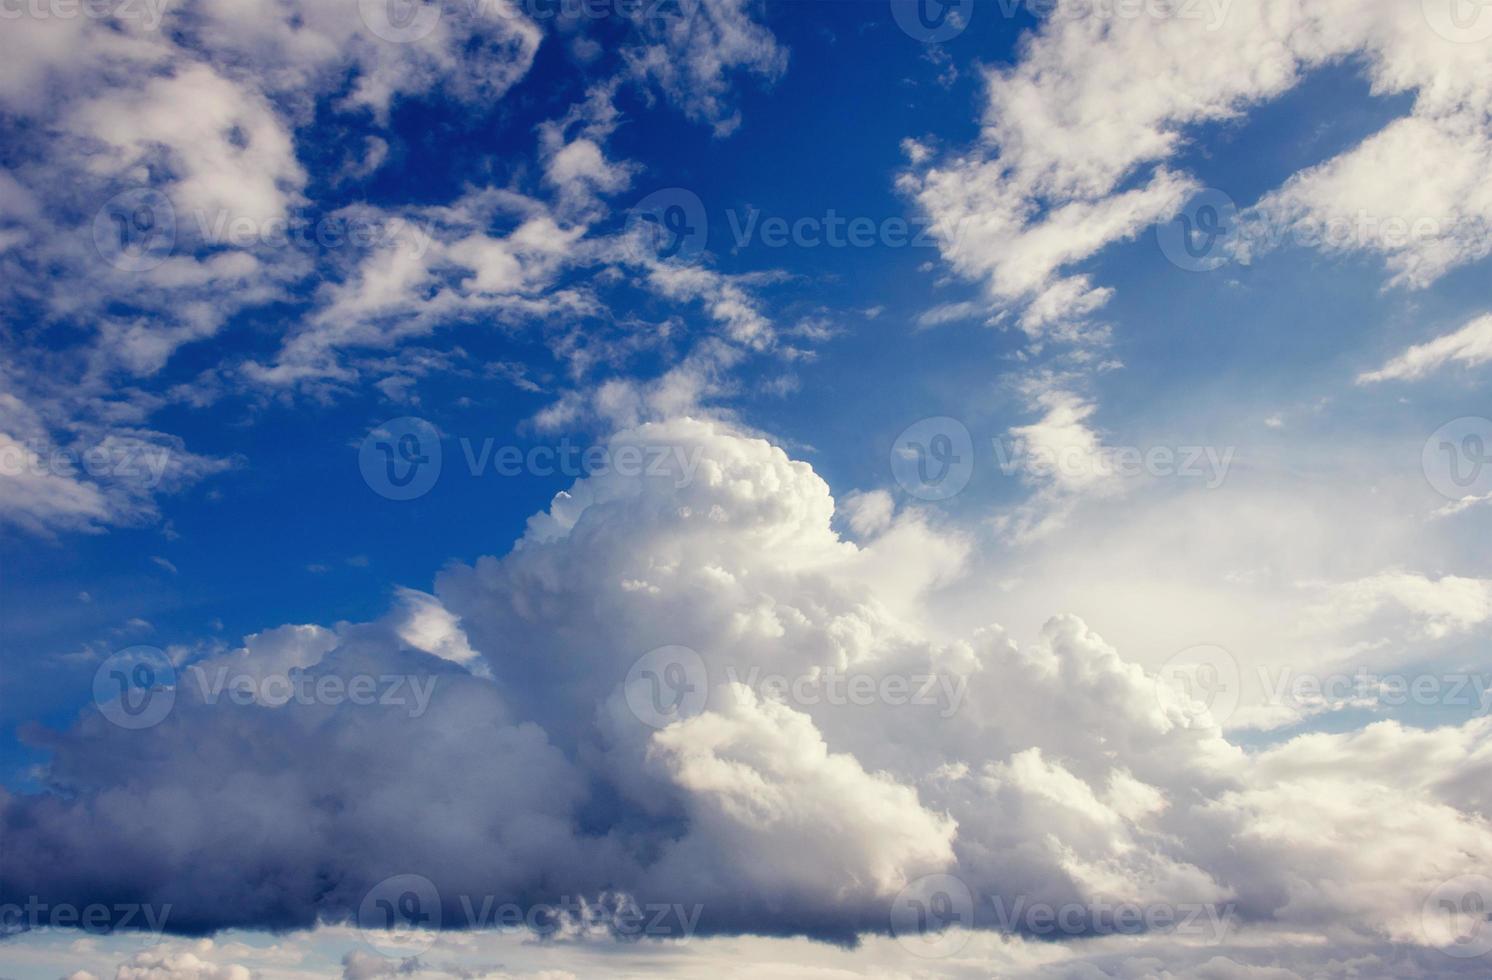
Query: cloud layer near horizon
(1060,774)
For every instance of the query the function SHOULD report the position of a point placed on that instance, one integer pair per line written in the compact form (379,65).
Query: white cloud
(1079,131)
(1065,773)
(691,54)
(1443,606)
(1471,346)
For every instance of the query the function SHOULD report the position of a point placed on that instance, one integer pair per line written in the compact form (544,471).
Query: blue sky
(1018,181)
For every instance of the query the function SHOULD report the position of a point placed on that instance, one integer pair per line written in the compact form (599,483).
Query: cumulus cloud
(1471,346)
(1080,134)
(1055,772)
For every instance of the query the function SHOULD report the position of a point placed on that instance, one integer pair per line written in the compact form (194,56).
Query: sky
(542,488)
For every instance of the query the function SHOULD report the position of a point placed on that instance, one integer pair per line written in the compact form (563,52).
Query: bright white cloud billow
(1158,653)
(1057,773)
(1471,346)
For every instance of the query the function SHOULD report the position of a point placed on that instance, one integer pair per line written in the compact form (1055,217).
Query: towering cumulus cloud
(701,694)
